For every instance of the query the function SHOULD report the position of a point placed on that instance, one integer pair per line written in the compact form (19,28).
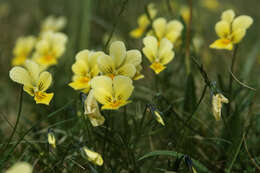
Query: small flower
(50,47)
(52,23)
(210,4)
(20,167)
(23,48)
(51,138)
(158,54)
(120,61)
(231,31)
(34,81)
(171,30)
(217,101)
(143,22)
(156,113)
(92,110)
(93,156)
(84,69)
(112,93)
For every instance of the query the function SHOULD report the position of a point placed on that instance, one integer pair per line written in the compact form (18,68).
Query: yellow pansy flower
(93,156)
(120,62)
(92,110)
(84,69)
(171,30)
(217,102)
(34,81)
(112,93)
(20,167)
(143,22)
(50,47)
(22,50)
(231,30)
(51,138)
(158,54)
(52,23)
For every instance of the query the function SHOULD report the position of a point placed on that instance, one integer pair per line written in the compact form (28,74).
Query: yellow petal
(80,67)
(133,57)
(80,82)
(115,106)
(150,48)
(151,10)
(93,156)
(29,90)
(118,52)
(157,67)
(165,51)
(173,30)
(137,33)
(44,81)
(217,101)
(242,22)
(93,57)
(33,69)
(222,44)
(238,35)
(159,118)
(127,70)
(52,139)
(159,26)
(18,60)
(106,64)
(43,97)
(82,55)
(20,167)
(20,75)
(123,87)
(222,29)
(228,16)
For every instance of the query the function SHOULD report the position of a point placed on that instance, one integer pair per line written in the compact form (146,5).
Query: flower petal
(133,57)
(33,69)
(123,87)
(43,97)
(222,44)
(118,52)
(238,35)
(228,15)
(21,76)
(159,26)
(80,67)
(106,64)
(44,81)
(165,51)
(127,70)
(242,22)
(150,48)
(222,29)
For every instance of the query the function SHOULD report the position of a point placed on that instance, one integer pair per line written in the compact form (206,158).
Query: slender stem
(188,39)
(18,117)
(231,79)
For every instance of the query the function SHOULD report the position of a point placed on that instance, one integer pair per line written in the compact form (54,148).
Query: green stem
(231,79)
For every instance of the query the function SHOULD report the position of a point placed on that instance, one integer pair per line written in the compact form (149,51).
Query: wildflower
(158,54)
(22,49)
(171,30)
(93,156)
(231,30)
(120,61)
(156,114)
(51,138)
(84,69)
(92,110)
(217,101)
(21,167)
(52,23)
(34,81)
(143,22)
(50,48)
(112,93)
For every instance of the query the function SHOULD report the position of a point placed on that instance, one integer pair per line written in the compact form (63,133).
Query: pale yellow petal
(238,35)
(21,76)
(93,57)
(150,49)
(127,70)
(29,90)
(80,67)
(133,57)
(222,29)
(44,81)
(93,156)
(123,87)
(33,69)
(174,25)
(159,26)
(102,82)
(228,15)
(165,51)
(20,167)
(118,52)
(222,44)
(242,22)
(106,64)
(82,55)
(137,33)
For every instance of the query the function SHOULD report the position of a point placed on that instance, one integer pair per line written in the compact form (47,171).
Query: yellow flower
(50,47)
(231,30)
(52,23)
(120,61)
(158,54)
(171,30)
(20,167)
(112,93)
(217,101)
(22,49)
(93,156)
(84,69)
(210,4)
(143,22)
(34,81)
(92,110)
(51,139)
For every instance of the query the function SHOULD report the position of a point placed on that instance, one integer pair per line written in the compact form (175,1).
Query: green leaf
(196,163)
